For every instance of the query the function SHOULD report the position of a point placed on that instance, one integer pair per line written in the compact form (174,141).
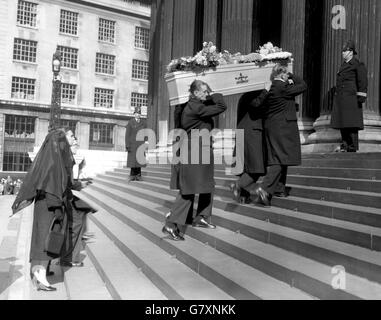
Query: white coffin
(226,79)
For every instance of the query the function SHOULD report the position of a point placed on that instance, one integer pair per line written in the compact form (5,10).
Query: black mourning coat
(197,178)
(281,125)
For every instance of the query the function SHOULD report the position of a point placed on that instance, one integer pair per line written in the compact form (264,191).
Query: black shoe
(280,194)
(261,197)
(71,264)
(132,178)
(202,223)
(138,178)
(173,233)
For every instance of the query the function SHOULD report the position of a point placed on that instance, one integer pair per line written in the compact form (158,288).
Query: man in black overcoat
(133,127)
(281,131)
(250,114)
(350,94)
(195,175)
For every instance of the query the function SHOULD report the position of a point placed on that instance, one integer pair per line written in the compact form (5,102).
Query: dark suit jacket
(281,126)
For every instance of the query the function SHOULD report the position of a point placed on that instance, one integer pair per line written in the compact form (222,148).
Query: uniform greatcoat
(281,126)
(198,178)
(132,145)
(351,82)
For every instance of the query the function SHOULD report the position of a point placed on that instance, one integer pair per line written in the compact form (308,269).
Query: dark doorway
(270,21)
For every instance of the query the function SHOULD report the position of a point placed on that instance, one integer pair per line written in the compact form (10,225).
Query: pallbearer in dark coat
(133,127)
(281,130)
(350,94)
(195,174)
(250,113)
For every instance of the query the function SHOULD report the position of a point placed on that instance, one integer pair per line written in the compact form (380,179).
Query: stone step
(346,173)
(85,283)
(330,209)
(366,236)
(123,279)
(346,156)
(235,278)
(313,277)
(163,270)
(304,180)
(360,261)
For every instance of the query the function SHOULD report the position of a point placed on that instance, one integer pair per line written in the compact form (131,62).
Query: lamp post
(55,109)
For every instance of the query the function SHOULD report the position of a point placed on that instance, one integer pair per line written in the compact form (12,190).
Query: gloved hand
(361,99)
(128,149)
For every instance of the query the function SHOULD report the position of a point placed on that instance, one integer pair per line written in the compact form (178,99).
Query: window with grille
(138,100)
(69,22)
(139,69)
(23,88)
(71,124)
(106,30)
(104,63)
(69,57)
(101,134)
(142,38)
(68,93)
(27,13)
(19,139)
(24,50)
(103,98)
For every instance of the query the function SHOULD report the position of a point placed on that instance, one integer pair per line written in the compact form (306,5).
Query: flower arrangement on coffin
(209,57)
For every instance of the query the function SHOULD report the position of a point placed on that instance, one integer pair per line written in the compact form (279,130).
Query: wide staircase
(321,242)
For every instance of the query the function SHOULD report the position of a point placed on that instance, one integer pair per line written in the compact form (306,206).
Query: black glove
(361,99)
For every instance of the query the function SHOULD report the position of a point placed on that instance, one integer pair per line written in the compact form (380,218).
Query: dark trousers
(350,138)
(135,172)
(275,179)
(182,208)
(247,182)
(73,245)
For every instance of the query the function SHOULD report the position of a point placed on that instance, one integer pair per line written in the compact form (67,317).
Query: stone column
(83,135)
(2,123)
(120,141)
(299,36)
(41,130)
(361,22)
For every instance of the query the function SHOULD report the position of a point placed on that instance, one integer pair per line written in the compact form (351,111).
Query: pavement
(15,233)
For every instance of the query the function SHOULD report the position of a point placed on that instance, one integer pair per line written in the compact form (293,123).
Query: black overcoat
(281,125)
(351,82)
(191,177)
(250,113)
(132,145)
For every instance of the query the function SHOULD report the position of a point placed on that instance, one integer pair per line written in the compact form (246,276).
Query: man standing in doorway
(351,93)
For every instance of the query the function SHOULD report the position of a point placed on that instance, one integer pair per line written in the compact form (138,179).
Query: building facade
(314,31)
(104,46)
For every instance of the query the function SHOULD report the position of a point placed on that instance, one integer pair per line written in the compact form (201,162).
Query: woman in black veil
(48,184)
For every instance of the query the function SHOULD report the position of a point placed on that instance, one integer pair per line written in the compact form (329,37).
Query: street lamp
(55,109)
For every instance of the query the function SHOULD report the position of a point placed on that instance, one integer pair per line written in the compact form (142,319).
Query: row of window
(24,88)
(19,137)
(26,51)
(27,16)
(23,128)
